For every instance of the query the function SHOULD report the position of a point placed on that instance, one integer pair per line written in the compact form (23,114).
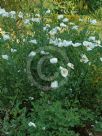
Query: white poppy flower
(31,98)
(63,25)
(33,41)
(66,43)
(44,53)
(27,21)
(70,65)
(31,124)
(37,15)
(60,17)
(48,11)
(5,57)
(13,50)
(12,14)
(32,54)
(53,60)
(53,31)
(64,71)
(2,11)
(84,58)
(93,21)
(75,27)
(6,37)
(45,28)
(89,45)
(5,14)
(101,59)
(54,84)
(98,42)
(92,38)
(20,14)
(37,20)
(65,20)
(76,44)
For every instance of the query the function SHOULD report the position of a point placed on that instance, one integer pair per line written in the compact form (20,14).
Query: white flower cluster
(60,43)
(63,24)
(14,14)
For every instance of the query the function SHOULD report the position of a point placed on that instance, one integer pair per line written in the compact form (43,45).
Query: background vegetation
(72,110)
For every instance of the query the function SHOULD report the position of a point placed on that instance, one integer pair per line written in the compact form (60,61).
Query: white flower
(37,20)
(89,45)
(70,65)
(48,11)
(2,11)
(24,40)
(86,43)
(6,57)
(98,42)
(64,71)
(101,59)
(60,17)
(58,28)
(54,84)
(76,44)
(63,25)
(67,43)
(75,27)
(37,15)
(6,37)
(20,14)
(53,31)
(5,14)
(65,20)
(44,53)
(31,98)
(91,38)
(45,28)
(53,60)
(93,21)
(13,50)
(33,41)
(32,54)
(27,21)
(12,14)
(84,58)
(31,124)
